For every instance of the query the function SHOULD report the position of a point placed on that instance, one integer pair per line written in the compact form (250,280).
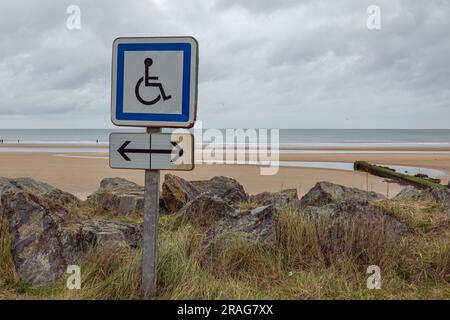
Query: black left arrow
(123,150)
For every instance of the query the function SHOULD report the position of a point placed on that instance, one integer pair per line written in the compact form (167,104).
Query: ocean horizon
(288,137)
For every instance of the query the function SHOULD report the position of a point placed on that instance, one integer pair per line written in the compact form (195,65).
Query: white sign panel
(154,82)
(157,151)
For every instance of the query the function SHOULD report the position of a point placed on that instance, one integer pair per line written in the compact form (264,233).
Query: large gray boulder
(365,219)
(326,192)
(205,210)
(37,187)
(176,192)
(223,187)
(45,240)
(349,210)
(281,199)
(408,192)
(252,225)
(117,196)
(441,196)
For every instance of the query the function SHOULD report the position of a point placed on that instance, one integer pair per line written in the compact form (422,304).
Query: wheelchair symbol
(148,83)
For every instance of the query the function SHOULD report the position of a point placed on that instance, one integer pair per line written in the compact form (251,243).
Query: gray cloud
(262,63)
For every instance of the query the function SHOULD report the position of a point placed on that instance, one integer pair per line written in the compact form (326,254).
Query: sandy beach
(81,173)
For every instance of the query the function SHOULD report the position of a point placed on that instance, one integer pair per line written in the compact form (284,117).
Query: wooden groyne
(419,181)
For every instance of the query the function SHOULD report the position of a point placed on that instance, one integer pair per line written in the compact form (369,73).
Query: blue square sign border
(186,49)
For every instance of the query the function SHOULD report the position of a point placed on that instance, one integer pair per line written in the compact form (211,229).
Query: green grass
(298,262)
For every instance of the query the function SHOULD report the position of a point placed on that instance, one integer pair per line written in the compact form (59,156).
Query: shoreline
(81,172)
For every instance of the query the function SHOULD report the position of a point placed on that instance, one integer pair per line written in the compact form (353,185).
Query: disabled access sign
(154,82)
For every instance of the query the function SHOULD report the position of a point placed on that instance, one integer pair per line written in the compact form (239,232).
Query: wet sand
(82,176)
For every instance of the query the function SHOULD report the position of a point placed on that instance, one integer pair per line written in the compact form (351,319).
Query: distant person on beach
(97,141)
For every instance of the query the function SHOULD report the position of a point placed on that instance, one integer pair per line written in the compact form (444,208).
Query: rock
(253,225)
(347,220)
(117,196)
(281,199)
(442,196)
(106,234)
(354,225)
(206,209)
(326,192)
(340,206)
(45,241)
(223,187)
(408,193)
(348,211)
(37,187)
(176,192)
(25,184)
(363,217)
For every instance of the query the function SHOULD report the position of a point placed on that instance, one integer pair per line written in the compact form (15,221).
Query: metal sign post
(153,85)
(150,232)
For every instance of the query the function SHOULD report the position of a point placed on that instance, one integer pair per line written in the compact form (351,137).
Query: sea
(96,140)
(287,137)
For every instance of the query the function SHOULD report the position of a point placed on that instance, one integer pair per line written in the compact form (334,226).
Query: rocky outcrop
(45,240)
(346,208)
(176,192)
(226,188)
(326,192)
(37,187)
(284,198)
(344,211)
(117,196)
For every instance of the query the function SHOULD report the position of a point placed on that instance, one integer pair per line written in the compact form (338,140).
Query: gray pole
(150,233)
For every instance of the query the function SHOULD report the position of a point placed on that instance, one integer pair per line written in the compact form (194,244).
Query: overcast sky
(263,63)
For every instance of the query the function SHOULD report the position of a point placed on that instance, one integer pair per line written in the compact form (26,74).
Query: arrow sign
(178,151)
(151,151)
(123,151)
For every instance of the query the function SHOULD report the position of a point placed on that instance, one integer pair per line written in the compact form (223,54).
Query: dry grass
(421,216)
(8,274)
(298,263)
